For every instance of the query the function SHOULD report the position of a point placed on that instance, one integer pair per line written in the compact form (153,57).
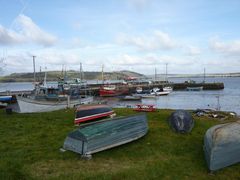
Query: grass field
(30,143)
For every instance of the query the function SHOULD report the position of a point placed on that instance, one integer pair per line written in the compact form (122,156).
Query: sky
(135,35)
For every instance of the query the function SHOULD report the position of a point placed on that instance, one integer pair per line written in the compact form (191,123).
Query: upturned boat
(222,145)
(106,134)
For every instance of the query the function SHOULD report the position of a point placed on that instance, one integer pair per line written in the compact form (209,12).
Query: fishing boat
(113,90)
(92,112)
(29,104)
(101,135)
(46,98)
(198,88)
(222,145)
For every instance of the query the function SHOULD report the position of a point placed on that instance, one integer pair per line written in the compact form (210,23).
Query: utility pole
(34,73)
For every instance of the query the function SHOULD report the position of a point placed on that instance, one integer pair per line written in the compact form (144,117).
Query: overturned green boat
(222,145)
(109,133)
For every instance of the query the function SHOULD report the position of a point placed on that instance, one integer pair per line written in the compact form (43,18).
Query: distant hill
(54,76)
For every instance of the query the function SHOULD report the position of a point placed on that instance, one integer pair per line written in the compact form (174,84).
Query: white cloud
(158,40)
(26,31)
(228,48)
(193,51)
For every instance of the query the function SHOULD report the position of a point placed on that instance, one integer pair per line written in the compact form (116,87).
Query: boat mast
(102,74)
(155,78)
(81,75)
(204,75)
(45,78)
(166,78)
(34,73)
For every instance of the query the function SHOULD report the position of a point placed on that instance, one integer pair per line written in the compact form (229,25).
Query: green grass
(29,149)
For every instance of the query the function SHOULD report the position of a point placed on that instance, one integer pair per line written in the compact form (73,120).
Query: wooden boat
(199,88)
(109,133)
(92,112)
(222,145)
(112,90)
(144,108)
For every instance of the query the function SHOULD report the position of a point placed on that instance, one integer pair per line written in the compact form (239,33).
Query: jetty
(94,88)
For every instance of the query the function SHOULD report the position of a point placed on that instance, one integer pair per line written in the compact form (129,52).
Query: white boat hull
(27,105)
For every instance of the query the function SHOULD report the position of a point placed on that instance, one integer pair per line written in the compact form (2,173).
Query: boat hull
(222,145)
(102,135)
(27,105)
(92,112)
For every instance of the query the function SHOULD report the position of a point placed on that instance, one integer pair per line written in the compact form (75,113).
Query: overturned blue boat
(222,145)
(102,135)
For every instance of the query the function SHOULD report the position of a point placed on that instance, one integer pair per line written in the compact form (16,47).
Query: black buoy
(181,121)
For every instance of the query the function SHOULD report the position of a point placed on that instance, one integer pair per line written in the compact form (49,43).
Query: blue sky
(138,35)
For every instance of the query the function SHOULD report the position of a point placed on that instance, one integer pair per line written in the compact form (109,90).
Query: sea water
(227,99)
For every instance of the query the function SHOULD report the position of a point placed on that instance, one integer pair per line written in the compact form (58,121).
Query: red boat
(113,90)
(92,112)
(144,108)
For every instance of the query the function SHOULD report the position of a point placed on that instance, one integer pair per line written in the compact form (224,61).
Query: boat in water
(222,145)
(158,92)
(113,90)
(168,89)
(143,93)
(198,88)
(92,112)
(46,99)
(101,135)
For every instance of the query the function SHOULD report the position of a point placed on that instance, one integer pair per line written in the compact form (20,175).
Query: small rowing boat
(101,135)
(92,112)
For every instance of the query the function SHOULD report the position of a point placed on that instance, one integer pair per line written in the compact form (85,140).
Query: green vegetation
(29,149)
(54,76)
